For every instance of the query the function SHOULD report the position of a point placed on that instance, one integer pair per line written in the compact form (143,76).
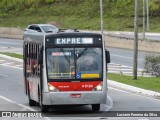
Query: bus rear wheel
(95,107)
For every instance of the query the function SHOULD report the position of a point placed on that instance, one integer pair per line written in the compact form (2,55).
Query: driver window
(38,29)
(89,63)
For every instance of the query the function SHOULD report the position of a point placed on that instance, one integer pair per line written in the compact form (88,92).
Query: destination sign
(61,53)
(74,40)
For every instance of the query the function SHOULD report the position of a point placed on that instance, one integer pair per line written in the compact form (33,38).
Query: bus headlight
(98,87)
(52,88)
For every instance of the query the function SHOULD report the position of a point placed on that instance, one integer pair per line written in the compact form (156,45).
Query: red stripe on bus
(75,86)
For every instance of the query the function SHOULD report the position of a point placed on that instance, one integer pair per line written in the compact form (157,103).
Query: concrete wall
(110,41)
(147,46)
(11,32)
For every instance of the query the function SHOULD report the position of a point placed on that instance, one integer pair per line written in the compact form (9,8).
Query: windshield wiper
(80,54)
(65,56)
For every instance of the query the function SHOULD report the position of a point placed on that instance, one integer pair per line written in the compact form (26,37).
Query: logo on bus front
(78,76)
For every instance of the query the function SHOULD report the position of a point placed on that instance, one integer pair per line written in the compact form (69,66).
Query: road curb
(133,89)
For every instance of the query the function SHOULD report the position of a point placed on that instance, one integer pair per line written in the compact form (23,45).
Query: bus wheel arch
(31,102)
(44,108)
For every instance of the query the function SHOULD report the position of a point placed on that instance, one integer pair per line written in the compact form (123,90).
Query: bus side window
(40,55)
(29,70)
(27,59)
(36,59)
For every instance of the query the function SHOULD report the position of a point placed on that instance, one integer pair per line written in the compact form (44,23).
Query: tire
(95,107)
(31,102)
(44,108)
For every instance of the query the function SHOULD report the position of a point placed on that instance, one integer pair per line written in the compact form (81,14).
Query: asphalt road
(11,45)
(12,98)
(125,57)
(6,42)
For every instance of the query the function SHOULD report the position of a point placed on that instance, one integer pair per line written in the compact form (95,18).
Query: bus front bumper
(74,98)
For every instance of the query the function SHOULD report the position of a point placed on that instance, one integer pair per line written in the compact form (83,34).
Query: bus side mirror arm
(107,53)
(40,56)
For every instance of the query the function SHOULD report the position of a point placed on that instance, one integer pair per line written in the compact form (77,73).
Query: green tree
(154,6)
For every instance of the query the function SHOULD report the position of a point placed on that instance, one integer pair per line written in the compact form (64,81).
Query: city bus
(65,68)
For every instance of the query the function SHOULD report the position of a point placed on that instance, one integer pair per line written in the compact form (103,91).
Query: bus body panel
(64,98)
(33,87)
(32,82)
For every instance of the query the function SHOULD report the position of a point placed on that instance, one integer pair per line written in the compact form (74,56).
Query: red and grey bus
(65,68)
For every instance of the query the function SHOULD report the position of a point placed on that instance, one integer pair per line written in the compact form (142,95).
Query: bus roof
(41,36)
(73,34)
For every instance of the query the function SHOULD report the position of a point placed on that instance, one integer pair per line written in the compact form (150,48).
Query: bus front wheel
(95,107)
(44,108)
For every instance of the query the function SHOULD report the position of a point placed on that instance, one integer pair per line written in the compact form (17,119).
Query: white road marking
(11,101)
(3,75)
(125,57)
(133,93)
(26,107)
(11,66)
(108,107)
(7,63)
(19,65)
(1,60)
(117,68)
(120,69)
(121,66)
(10,43)
(123,72)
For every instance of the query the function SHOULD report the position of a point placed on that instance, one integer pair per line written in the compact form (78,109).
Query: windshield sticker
(89,75)
(78,75)
(61,53)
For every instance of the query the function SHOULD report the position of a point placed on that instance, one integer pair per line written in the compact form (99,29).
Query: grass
(15,55)
(149,83)
(86,23)
(67,19)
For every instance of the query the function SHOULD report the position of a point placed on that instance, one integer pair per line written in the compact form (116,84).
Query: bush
(152,64)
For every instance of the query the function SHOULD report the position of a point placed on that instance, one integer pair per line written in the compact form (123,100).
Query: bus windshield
(74,63)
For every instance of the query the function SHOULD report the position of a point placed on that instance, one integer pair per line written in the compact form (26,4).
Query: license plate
(75,95)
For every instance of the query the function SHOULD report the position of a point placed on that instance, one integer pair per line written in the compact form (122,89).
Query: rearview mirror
(107,56)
